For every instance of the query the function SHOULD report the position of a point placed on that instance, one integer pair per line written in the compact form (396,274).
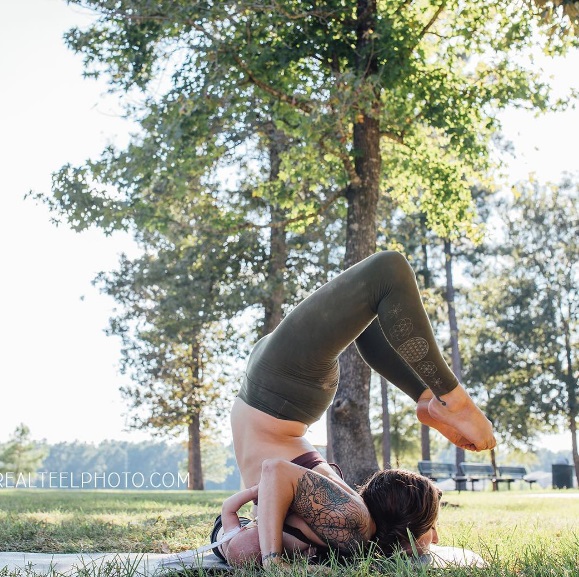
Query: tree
(202,263)
(375,92)
(561,16)
(173,301)
(524,349)
(20,455)
(215,456)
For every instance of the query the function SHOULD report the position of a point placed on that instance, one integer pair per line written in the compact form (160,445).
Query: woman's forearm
(275,497)
(231,505)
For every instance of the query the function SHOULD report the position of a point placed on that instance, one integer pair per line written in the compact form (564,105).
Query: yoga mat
(149,564)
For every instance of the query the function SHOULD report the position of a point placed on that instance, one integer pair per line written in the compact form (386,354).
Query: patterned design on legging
(413,350)
(395,310)
(426,368)
(401,329)
(436,382)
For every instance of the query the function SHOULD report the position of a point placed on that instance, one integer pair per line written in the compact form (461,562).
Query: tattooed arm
(334,512)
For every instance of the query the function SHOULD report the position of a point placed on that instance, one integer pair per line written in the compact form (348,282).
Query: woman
(291,379)
(409,501)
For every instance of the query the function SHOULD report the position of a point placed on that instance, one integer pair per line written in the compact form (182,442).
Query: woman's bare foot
(458,419)
(446,430)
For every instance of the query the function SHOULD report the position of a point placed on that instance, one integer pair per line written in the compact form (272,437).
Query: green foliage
(523,343)
(173,341)
(561,18)
(137,465)
(20,455)
(214,456)
(434,76)
(402,97)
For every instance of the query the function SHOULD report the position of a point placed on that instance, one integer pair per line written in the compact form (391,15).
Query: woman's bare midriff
(258,436)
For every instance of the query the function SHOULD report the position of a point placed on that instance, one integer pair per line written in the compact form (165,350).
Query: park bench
(438,471)
(475,472)
(516,473)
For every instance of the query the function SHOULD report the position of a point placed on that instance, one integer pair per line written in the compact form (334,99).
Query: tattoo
(270,556)
(329,511)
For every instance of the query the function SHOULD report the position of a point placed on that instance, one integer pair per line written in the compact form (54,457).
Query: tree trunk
(575,453)
(350,421)
(329,445)
(195,480)
(274,299)
(349,414)
(572,396)
(386,439)
(456,361)
(425,442)
(495,469)
(425,429)
(194,466)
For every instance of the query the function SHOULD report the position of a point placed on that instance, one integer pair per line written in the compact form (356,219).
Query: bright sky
(59,370)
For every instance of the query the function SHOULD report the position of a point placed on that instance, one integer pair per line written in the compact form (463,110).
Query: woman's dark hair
(400,502)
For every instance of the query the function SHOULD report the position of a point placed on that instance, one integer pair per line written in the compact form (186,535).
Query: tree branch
(433,19)
(321,14)
(403,5)
(399,138)
(300,103)
(346,160)
(322,208)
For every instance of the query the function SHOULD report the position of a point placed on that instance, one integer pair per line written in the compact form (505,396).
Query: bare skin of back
(258,436)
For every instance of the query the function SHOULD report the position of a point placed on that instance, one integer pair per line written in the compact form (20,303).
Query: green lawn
(520,533)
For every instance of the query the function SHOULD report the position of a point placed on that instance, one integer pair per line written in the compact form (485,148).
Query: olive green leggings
(293,372)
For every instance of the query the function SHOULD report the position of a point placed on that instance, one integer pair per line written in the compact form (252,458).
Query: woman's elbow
(273,467)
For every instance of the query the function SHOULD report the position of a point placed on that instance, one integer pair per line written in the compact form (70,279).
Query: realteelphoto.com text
(92,480)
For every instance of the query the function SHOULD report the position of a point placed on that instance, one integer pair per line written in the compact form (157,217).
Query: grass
(517,532)
(94,521)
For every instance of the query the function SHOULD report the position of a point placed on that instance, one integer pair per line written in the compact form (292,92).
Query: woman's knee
(392,266)
(391,258)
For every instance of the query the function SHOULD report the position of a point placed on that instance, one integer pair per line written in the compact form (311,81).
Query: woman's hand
(231,505)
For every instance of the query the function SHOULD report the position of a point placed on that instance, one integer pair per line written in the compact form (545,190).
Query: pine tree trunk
(349,414)
(274,299)
(329,445)
(575,453)
(386,438)
(572,396)
(195,480)
(425,429)
(456,361)
(194,466)
(350,421)
(425,442)
(495,469)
